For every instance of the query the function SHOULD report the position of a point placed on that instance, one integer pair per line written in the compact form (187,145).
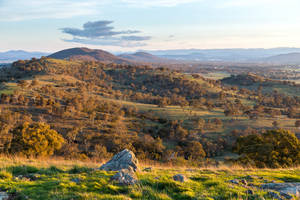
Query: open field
(8,88)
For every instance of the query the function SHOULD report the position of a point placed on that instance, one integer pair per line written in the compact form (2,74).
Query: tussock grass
(56,178)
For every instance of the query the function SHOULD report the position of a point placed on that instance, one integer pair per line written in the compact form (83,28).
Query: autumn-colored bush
(36,139)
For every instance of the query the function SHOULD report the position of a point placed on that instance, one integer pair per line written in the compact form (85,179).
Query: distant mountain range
(275,55)
(145,57)
(225,55)
(290,58)
(10,56)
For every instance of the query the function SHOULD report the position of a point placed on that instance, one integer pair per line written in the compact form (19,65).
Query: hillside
(254,82)
(11,56)
(244,79)
(87,55)
(144,57)
(224,55)
(290,58)
(101,108)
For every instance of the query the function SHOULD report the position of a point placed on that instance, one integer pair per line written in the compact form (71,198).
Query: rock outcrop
(234,181)
(126,164)
(179,177)
(122,160)
(4,196)
(285,189)
(125,177)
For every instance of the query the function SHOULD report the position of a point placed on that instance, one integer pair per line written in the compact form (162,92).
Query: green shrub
(23,170)
(5,175)
(78,170)
(274,148)
(50,171)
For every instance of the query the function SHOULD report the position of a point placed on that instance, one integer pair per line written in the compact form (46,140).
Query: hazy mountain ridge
(274,55)
(232,55)
(145,57)
(13,55)
(290,58)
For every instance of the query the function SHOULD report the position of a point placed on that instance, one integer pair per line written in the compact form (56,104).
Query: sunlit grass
(54,179)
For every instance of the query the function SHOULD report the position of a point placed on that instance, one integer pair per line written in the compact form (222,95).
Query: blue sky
(130,25)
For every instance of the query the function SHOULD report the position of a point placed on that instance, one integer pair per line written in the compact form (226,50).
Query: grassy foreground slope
(60,179)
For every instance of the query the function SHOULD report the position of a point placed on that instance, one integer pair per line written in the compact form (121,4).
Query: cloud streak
(255,3)
(103,33)
(19,10)
(158,3)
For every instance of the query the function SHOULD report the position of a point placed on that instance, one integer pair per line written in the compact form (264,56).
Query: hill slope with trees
(160,114)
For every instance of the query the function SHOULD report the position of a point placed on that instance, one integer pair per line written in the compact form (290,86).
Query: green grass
(216,75)
(172,112)
(58,182)
(8,88)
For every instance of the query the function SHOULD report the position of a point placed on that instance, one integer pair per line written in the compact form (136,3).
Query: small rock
(29,177)
(180,178)
(22,178)
(250,192)
(4,196)
(148,169)
(286,188)
(234,181)
(285,195)
(250,177)
(274,195)
(75,180)
(122,160)
(244,182)
(32,177)
(125,177)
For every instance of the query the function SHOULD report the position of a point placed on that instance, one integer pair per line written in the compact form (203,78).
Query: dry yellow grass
(7,161)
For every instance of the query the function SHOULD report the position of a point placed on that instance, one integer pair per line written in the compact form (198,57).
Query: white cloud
(158,3)
(110,41)
(253,3)
(17,10)
(103,33)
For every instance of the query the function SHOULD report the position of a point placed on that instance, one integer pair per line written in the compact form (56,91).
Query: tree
(275,124)
(194,151)
(22,83)
(180,133)
(163,103)
(36,139)
(199,123)
(297,123)
(274,148)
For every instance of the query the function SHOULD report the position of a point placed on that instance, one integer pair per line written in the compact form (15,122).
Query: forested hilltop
(92,110)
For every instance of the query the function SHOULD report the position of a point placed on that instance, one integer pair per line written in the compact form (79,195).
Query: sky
(132,25)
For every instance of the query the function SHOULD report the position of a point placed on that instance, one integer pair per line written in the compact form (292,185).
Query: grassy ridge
(60,179)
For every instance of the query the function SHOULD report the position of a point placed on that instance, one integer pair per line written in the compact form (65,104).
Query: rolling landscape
(102,111)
